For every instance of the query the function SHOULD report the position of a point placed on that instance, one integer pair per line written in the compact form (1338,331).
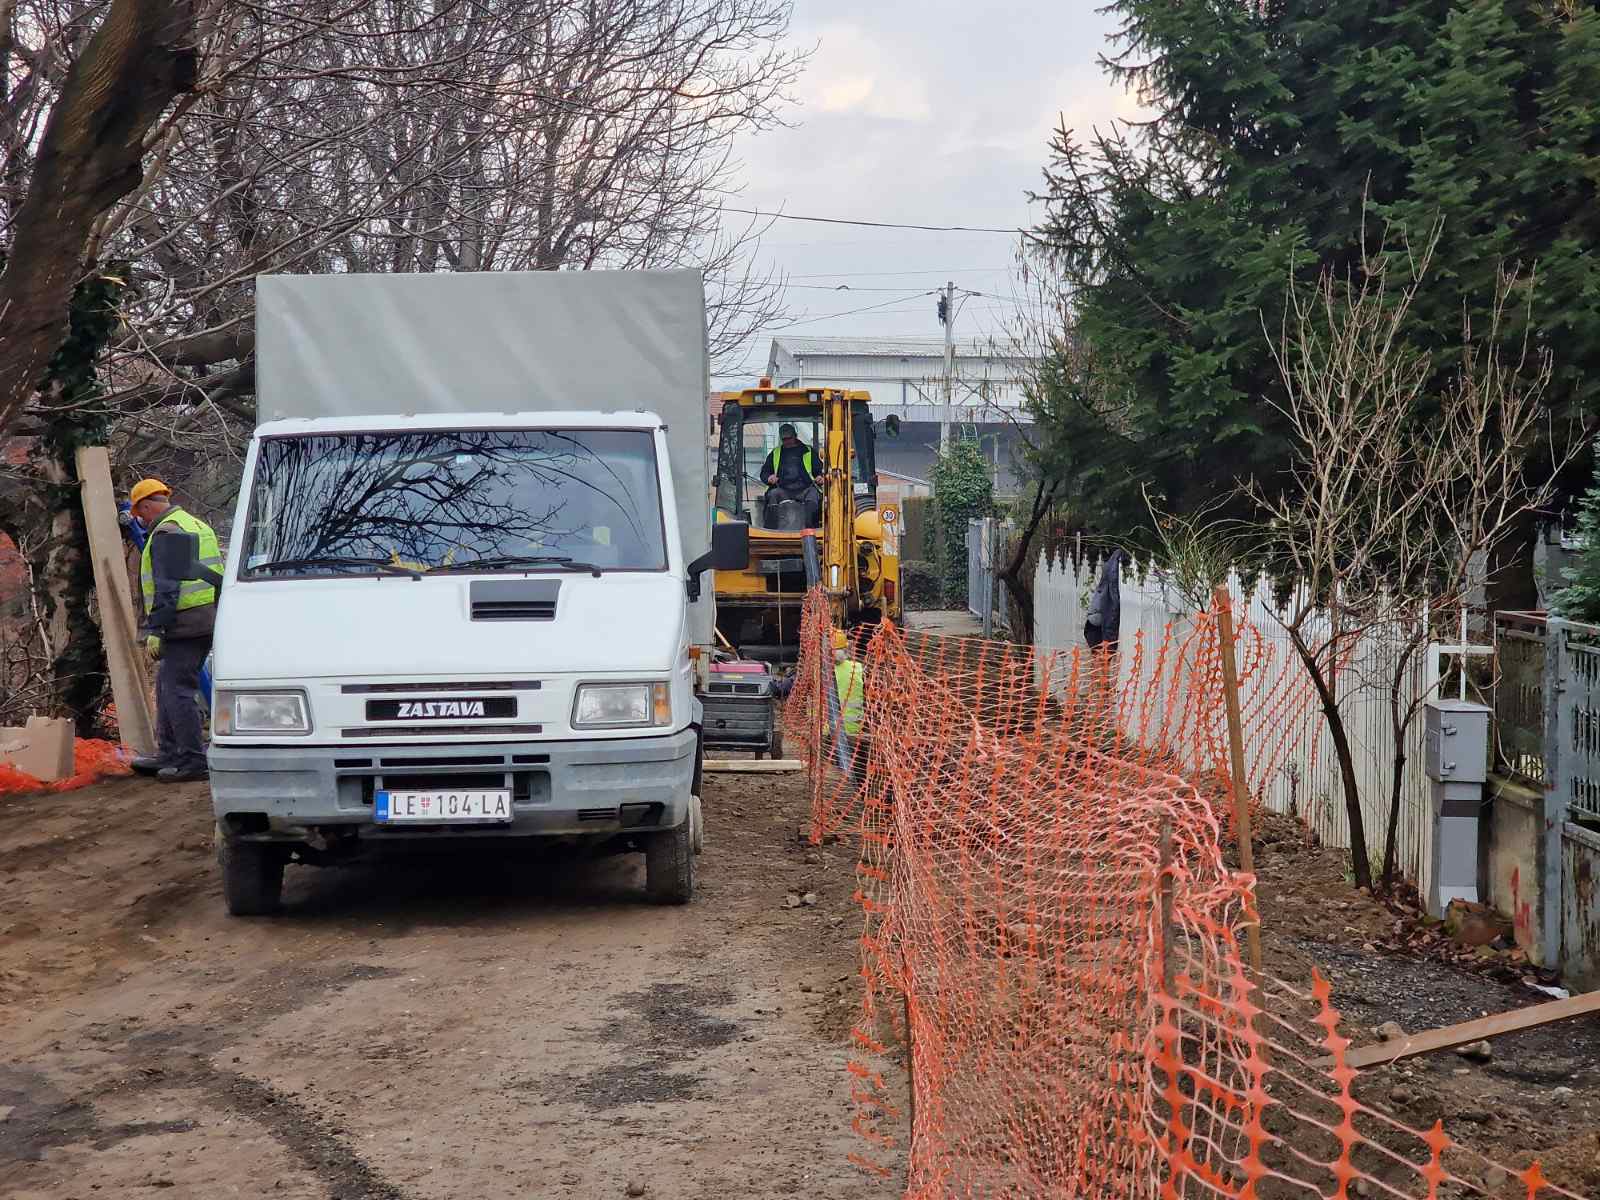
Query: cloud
(853,73)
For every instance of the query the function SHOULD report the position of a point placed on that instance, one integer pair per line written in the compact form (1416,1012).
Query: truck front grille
(441,730)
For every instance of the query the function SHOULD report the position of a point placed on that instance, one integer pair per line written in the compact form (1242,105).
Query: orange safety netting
(1159,704)
(93,760)
(1053,933)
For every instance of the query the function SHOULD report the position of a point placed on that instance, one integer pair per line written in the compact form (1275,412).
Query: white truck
(462,597)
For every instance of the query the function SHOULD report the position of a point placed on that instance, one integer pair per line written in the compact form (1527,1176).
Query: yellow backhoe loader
(758,609)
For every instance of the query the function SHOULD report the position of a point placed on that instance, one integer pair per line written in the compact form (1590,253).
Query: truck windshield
(519,500)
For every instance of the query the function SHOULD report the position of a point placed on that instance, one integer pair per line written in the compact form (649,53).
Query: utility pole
(947,314)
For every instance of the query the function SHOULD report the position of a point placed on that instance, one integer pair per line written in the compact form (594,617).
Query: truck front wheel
(252,876)
(669,864)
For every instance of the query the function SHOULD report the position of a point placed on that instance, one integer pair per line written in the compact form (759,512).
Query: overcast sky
(933,112)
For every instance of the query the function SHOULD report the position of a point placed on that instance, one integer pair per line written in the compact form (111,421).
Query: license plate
(442,807)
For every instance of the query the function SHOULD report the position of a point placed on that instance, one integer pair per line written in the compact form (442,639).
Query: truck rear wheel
(669,864)
(252,876)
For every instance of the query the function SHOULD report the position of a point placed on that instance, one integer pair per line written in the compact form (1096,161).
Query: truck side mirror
(730,551)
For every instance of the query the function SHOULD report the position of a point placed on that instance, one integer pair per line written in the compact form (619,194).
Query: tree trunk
(1361,863)
(90,156)
(66,579)
(1012,576)
(43,501)
(1391,838)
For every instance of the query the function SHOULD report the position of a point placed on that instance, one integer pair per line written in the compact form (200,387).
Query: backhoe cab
(758,608)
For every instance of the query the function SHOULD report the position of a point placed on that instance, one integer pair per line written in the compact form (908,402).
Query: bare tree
(1396,494)
(88,155)
(363,135)
(422,135)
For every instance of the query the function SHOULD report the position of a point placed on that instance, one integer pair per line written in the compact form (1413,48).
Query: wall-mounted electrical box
(1456,760)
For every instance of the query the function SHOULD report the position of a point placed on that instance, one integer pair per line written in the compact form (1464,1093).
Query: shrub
(962,491)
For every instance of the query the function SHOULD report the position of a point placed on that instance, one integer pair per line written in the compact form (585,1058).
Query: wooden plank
(118,625)
(757,766)
(1241,787)
(1467,1032)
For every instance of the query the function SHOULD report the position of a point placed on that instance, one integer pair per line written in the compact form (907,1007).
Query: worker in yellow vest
(850,681)
(790,473)
(180,615)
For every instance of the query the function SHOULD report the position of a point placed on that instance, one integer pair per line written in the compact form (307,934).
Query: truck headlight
(621,705)
(260,713)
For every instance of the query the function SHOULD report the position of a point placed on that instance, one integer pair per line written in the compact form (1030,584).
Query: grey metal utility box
(1456,759)
(1456,737)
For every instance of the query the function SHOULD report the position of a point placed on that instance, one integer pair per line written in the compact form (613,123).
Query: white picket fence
(1305,780)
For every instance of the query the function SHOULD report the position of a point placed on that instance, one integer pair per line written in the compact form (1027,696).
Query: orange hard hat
(840,641)
(146,488)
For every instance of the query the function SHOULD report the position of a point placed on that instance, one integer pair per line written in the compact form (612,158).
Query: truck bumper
(577,788)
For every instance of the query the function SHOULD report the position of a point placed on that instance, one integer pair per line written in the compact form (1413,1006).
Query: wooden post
(118,627)
(1241,790)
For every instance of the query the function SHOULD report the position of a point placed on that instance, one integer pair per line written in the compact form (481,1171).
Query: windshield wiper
(382,564)
(559,562)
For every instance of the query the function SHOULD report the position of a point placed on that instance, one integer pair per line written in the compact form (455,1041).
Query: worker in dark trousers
(790,473)
(180,615)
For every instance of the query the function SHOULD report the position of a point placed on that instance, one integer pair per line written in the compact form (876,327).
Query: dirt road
(426,1031)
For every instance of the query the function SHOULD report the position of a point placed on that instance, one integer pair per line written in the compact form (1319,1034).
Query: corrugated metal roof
(892,347)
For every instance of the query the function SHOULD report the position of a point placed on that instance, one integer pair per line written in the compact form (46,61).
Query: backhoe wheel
(669,864)
(252,876)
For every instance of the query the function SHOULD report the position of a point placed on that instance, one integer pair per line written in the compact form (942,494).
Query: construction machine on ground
(758,608)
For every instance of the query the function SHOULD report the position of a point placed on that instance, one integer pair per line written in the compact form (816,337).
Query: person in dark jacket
(180,615)
(1104,623)
(790,473)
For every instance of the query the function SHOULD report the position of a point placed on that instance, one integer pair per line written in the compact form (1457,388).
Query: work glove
(152,647)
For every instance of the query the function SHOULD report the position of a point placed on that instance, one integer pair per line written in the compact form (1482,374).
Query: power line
(782,216)
(843,287)
(812,320)
(885,274)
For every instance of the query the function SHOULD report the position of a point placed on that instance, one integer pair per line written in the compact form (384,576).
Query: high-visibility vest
(850,678)
(192,593)
(776,457)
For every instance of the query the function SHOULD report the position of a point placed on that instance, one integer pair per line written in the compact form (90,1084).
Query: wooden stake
(1477,1030)
(1241,791)
(118,628)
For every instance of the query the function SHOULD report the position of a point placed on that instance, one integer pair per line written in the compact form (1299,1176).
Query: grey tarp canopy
(514,342)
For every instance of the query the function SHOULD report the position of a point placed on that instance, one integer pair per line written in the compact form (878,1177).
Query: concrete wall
(1580,913)
(1511,831)
(1510,835)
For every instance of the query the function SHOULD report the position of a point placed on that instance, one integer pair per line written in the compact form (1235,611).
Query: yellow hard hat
(146,488)
(840,641)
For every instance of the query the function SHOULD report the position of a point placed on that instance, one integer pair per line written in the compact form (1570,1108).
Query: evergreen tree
(1580,599)
(1289,134)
